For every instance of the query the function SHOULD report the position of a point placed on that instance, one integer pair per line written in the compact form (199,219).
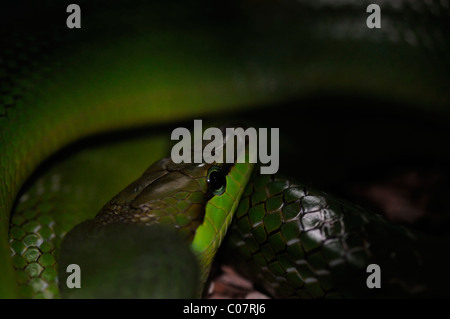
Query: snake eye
(216,180)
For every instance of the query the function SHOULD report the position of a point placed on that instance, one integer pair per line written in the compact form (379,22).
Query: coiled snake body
(154,64)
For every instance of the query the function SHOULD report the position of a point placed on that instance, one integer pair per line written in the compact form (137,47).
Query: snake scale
(146,66)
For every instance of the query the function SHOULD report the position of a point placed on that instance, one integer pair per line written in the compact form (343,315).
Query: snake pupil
(216,180)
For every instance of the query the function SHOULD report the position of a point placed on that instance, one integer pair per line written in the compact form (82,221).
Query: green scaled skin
(155,63)
(299,242)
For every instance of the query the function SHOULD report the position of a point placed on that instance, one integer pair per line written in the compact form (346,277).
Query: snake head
(197,199)
(193,200)
(167,193)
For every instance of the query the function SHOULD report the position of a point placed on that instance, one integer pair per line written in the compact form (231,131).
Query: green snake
(137,70)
